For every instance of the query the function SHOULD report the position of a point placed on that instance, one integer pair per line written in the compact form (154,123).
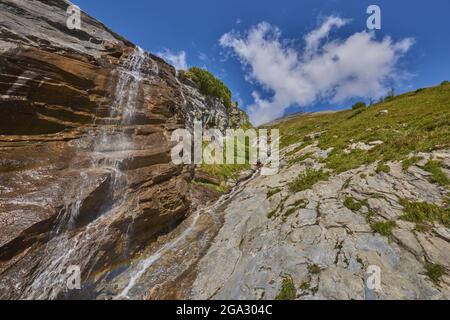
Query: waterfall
(108,145)
(111,142)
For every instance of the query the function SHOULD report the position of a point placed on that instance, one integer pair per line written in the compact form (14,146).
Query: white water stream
(64,249)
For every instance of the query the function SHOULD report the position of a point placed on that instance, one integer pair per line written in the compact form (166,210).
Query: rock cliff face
(86,177)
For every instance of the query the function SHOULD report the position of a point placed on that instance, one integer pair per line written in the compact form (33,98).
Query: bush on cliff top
(210,85)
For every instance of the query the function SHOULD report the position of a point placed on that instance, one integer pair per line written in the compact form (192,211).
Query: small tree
(390,96)
(210,85)
(359,105)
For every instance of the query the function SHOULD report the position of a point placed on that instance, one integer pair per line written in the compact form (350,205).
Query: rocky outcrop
(86,174)
(322,243)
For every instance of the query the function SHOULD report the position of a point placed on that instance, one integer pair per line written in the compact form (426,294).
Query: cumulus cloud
(178,60)
(328,70)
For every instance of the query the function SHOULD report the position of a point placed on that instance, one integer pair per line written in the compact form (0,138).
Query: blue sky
(196,28)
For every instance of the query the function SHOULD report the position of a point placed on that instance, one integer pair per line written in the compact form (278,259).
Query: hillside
(357,190)
(415,122)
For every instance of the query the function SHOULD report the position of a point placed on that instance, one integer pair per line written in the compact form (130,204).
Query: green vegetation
(416,122)
(293,208)
(435,271)
(307,180)
(280,207)
(421,228)
(384,228)
(358,108)
(224,171)
(306,285)
(301,159)
(438,176)
(444,83)
(295,150)
(390,96)
(409,162)
(228,171)
(314,269)
(273,192)
(287,291)
(210,85)
(359,105)
(382,167)
(353,204)
(219,189)
(422,212)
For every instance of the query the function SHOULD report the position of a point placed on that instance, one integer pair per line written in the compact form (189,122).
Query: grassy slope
(417,122)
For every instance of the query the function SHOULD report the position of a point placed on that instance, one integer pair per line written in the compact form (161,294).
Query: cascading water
(111,140)
(110,144)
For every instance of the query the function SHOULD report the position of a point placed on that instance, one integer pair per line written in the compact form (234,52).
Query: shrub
(421,212)
(384,228)
(314,269)
(434,271)
(352,204)
(407,163)
(307,180)
(438,176)
(359,105)
(293,208)
(390,96)
(287,291)
(382,167)
(210,85)
(443,83)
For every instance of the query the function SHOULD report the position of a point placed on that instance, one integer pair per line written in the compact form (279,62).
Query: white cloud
(178,60)
(332,70)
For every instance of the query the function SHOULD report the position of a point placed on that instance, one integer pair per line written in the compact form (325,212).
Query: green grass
(293,208)
(409,162)
(314,269)
(210,85)
(422,212)
(306,285)
(280,207)
(382,167)
(220,189)
(273,192)
(301,159)
(438,176)
(359,105)
(416,122)
(287,291)
(295,150)
(225,171)
(353,204)
(307,180)
(383,228)
(435,271)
